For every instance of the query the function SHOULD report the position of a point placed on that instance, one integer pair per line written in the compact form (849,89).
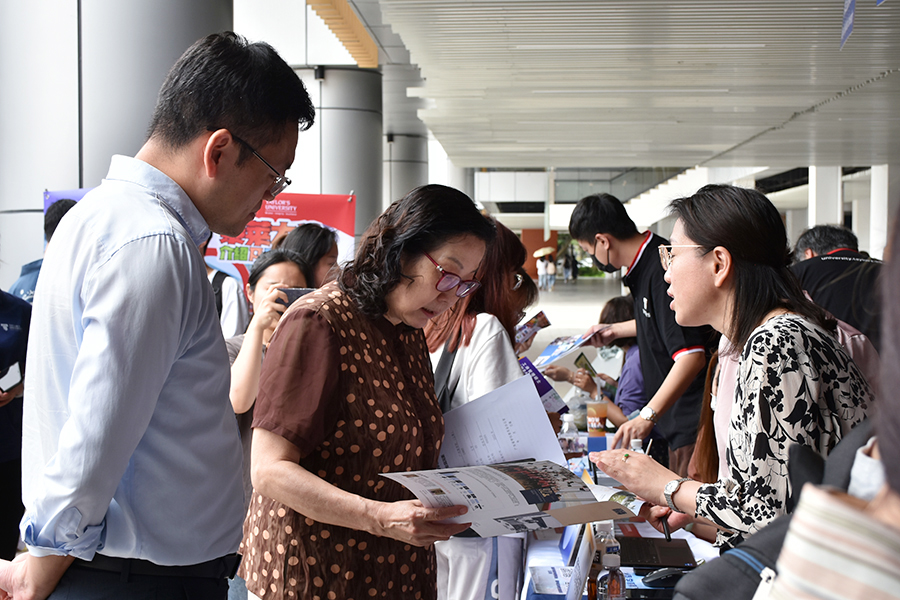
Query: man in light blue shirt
(132,478)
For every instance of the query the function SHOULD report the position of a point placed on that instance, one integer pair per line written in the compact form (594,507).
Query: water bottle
(637,446)
(611,580)
(605,541)
(568,437)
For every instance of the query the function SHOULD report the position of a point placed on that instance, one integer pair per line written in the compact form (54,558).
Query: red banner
(235,255)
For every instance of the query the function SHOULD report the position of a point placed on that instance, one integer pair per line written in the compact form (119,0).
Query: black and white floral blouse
(795,384)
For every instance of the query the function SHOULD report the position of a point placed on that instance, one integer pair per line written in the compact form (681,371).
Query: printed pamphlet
(530,327)
(550,398)
(515,497)
(504,425)
(501,458)
(561,346)
(582,362)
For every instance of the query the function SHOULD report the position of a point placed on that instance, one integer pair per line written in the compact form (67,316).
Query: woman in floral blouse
(727,267)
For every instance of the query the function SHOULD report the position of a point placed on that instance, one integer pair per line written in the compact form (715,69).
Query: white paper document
(507,424)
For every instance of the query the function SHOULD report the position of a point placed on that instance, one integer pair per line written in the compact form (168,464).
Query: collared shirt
(23,287)
(132,446)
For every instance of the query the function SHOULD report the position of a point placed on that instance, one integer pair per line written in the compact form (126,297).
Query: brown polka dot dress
(356,396)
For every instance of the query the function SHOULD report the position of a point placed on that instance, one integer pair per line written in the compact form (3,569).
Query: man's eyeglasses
(449,280)
(665,253)
(281,182)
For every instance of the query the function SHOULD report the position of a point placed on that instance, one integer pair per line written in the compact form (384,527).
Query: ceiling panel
(645,83)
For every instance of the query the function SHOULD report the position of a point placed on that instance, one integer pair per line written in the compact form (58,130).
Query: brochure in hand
(550,398)
(530,327)
(501,458)
(517,496)
(561,346)
(582,362)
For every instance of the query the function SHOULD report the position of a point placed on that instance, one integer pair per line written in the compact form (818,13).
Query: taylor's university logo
(646,308)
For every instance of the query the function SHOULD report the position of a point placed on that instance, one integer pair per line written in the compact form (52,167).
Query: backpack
(217,281)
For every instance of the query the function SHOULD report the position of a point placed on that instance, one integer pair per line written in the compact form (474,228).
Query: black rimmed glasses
(665,253)
(449,280)
(281,181)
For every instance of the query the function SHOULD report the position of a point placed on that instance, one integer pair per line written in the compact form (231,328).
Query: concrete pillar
(350,125)
(127,49)
(825,199)
(885,199)
(796,221)
(61,124)
(862,222)
(405,165)
(462,179)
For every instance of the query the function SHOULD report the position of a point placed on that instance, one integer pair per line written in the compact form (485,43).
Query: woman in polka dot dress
(346,393)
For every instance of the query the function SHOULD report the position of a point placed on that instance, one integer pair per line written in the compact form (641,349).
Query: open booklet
(500,457)
(562,346)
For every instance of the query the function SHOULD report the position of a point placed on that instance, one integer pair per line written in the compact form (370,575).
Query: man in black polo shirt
(673,358)
(840,279)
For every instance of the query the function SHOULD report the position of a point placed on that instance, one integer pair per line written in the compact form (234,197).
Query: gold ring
(625,457)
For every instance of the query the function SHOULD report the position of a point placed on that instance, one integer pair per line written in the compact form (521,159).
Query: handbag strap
(443,387)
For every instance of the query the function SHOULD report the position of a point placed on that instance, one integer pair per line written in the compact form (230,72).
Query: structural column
(461,178)
(405,135)
(80,80)
(405,164)
(350,125)
(862,222)
(883,206)
(826,206)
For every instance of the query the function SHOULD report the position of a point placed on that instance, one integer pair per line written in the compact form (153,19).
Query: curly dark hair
(423,220)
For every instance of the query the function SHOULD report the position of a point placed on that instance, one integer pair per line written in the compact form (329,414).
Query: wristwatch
(648,414)
(670,490)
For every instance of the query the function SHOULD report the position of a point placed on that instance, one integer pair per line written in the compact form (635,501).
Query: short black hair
(600,213)
(55,213)
(274,257)
(423,220)
(823,239)
(223,81)
(311,241)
